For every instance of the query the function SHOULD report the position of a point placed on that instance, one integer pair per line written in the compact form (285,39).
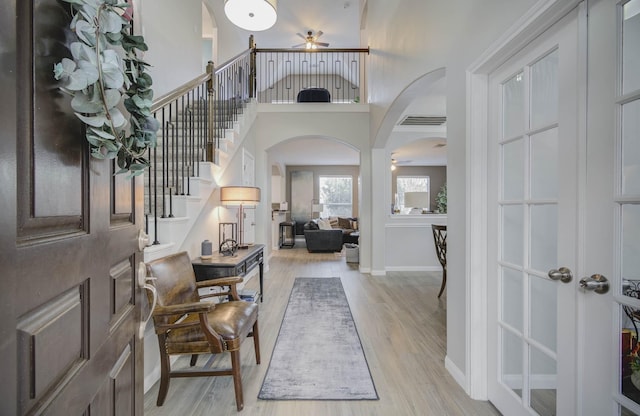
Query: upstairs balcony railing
(282,73)
(195,117)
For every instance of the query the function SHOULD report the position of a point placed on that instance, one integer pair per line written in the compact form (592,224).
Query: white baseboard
(457,374)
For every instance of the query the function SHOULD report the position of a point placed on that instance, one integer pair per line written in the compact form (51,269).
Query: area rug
(318,354)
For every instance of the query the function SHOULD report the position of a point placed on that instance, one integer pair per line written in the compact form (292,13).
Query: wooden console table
(242,263)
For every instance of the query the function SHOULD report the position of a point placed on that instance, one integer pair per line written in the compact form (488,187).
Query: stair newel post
(252,67)
(210,115)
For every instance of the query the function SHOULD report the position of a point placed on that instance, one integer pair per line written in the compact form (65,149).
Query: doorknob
(143,240)
(563,274)
(596,283)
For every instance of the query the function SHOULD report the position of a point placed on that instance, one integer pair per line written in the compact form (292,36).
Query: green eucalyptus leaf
(103,134)
(95,121)
(117,118)
(112,72)
(94,140)
(64,68)
(97,153)
(110,22)
(112,97)
(86,32)
(82,103)
(111,146)
(82,52)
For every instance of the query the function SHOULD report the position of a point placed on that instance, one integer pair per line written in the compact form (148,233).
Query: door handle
(596,283)
(143,240)
(563,274)
(143,283)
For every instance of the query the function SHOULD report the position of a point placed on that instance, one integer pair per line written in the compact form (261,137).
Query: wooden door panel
(69,299)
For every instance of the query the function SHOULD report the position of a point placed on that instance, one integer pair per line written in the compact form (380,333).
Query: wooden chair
(440,239)
(185,325)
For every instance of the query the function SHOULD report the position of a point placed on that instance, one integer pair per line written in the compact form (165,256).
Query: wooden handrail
(294,50)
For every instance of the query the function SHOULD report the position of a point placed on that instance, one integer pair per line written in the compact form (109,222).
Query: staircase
(187,186)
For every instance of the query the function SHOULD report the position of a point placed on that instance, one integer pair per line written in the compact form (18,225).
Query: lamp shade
(239,195)
(416,199)
(253,15)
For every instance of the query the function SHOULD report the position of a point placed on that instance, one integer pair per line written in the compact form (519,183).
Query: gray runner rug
(318,354)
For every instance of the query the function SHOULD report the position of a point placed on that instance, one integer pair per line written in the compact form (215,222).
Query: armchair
(185,325)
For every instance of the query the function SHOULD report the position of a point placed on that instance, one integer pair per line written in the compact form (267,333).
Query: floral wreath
(105,66)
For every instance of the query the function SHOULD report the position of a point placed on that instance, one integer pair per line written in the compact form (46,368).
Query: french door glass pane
(512,360)
(513,170)
(544,91)
(543,311)
(544,165)
(542,383)
(513,107)
(630,242)
(512,298)
(544,236)
(631,46)
(631,148)
(512,234)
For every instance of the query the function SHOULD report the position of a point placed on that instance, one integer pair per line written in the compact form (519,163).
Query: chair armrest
(223,281)
(180,309)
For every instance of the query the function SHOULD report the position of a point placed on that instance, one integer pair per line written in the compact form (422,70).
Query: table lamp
(241,196)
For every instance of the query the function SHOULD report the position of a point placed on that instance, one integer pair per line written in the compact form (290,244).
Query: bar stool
(284,226)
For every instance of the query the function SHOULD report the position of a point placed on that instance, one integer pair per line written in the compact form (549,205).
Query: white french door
(564,193)
(533,184)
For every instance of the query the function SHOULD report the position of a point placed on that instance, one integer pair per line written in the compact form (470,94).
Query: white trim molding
(537,20)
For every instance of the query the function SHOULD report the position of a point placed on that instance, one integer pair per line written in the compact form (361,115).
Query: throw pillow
(334,222)
(312,225)
(354,224)
(324,224)
(344,223)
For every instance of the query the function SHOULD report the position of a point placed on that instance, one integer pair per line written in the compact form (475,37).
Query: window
(410,184)
(336,193)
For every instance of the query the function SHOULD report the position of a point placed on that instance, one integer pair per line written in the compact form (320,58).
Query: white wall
(410,38)
(348,124)
(185,44)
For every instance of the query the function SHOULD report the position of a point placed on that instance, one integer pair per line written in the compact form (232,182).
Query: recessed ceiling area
(314,151)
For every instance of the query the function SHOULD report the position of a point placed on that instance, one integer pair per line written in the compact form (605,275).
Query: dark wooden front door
(68,247)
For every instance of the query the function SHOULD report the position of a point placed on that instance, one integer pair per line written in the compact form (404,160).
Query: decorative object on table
(100,73)
(441,200)
(228,247)
(227,230)
(240,196)
(440,240)
(318,354)
(206,249)
(417,201)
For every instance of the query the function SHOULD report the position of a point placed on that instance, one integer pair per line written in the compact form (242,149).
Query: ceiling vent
(423,121)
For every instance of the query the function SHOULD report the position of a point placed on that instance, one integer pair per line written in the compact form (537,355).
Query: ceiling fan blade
(299,46)
(300,34)
(322,44)
(319,33)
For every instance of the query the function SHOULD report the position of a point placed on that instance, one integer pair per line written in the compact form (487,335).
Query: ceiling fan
(311,40)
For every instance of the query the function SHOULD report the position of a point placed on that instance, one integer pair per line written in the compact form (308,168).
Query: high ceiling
(339,20)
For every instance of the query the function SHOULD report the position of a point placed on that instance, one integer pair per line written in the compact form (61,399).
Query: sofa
(329,235)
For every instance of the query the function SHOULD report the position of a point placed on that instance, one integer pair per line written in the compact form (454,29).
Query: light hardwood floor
(402,326)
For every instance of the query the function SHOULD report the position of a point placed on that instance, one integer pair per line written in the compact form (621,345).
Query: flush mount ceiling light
(253,15)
